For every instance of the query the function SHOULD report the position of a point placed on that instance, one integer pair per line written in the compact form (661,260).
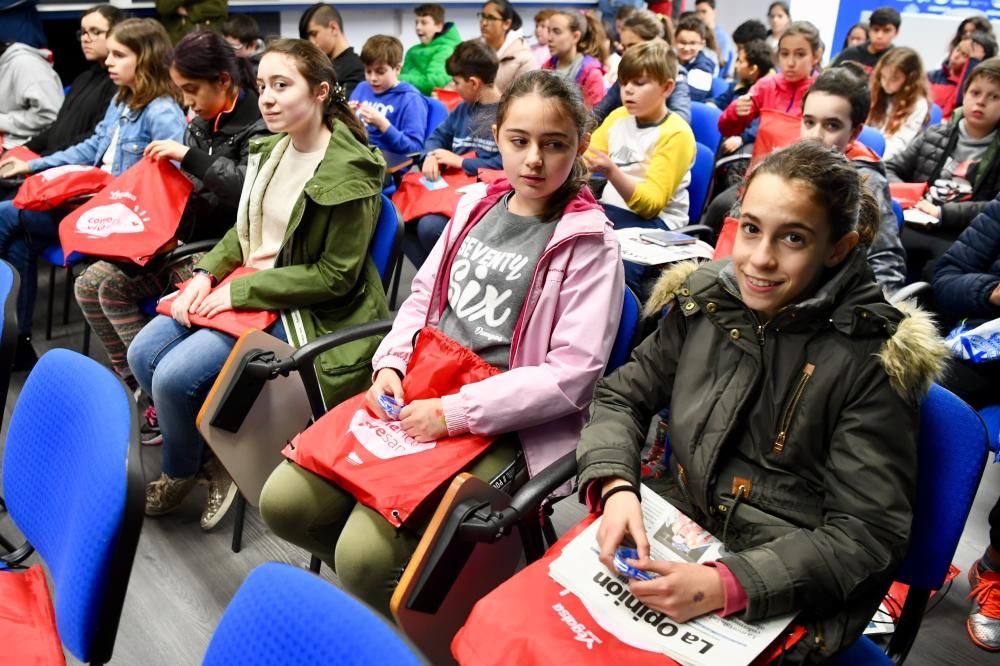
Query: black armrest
(308,352)
(917,290)
(187,249)
(699,231)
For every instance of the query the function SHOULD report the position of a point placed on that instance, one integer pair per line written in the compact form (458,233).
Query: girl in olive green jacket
(793,390)
(305,220)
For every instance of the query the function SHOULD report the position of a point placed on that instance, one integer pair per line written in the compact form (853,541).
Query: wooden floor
(183,578)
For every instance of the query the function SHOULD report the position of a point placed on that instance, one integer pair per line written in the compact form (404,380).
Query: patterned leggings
(110,300)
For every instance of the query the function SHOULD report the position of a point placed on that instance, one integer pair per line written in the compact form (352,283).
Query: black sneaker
(24,355)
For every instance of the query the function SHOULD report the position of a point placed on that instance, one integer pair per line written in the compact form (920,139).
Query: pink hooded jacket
(771,92)
(562,339)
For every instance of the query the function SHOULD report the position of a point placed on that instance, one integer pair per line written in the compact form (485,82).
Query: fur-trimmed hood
(913,355)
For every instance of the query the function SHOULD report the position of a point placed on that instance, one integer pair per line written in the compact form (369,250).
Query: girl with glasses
(500,27)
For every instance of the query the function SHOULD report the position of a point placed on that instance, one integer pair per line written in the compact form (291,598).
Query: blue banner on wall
(850,12)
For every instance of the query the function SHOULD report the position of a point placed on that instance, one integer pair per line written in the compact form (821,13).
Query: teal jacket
(423,66)
(323,279)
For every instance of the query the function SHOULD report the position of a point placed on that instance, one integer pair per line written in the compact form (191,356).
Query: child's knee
(286,503)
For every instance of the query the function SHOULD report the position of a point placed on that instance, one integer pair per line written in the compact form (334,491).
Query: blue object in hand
(623,554)
(390,406)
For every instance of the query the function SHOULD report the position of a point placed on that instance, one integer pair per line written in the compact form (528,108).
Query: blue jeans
(177,366)
(623,218)
(421,235)
(23,235)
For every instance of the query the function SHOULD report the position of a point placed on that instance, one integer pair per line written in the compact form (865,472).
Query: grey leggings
(365,550)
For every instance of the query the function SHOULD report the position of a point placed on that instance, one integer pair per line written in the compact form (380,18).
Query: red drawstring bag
(907,194)
(727,239)
(21,153)
(28,633)
(53,187)
(133,218)
(375,460)
(532,621)
(414,200)
(448,97)
(777,130)
(233,322)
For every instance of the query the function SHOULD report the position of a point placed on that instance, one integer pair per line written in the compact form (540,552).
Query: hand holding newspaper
(709,639)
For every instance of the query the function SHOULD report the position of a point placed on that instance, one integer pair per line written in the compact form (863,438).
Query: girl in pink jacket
(577,47)
(529,276)
(798,54)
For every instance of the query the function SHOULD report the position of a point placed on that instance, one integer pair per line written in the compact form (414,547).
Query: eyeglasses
(93,33)
(488,18)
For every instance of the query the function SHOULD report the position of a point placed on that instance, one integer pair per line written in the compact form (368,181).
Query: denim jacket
(160,119)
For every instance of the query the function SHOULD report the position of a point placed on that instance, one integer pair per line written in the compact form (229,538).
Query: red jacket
(771,92)
(590,78)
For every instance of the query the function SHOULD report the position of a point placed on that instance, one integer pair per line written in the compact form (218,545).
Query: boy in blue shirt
(393,111)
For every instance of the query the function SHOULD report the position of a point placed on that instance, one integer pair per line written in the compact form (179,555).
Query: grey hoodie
(30,93)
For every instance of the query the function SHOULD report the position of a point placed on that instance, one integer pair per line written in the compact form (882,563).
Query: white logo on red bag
(114,218)
(55,172)
(580,632)
(385,439)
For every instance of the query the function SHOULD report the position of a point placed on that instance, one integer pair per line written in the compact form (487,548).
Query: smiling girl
(551,338)
(304,222)
(794,389)
(144,110)
(900,107)
(573,43)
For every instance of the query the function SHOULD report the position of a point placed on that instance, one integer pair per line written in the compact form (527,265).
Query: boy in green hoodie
(423,66)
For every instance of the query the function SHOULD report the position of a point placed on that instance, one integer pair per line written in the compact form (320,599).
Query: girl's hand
(929,208)
(166,148)
(682,591)
(447,158)
(190,299)
(387,382)
(12,167)
(995,296)
(744,104)
(599,162)
(216,302)
(431,170)
(622,514)
(423,420)
(732,144)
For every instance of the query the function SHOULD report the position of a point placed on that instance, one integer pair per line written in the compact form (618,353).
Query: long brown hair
(148,40)
(550,87)
(890,111)
(836,185)
(592,35)
(648,26)
(316,68)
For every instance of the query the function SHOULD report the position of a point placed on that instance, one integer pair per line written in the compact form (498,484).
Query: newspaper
(639,251)
(706,640)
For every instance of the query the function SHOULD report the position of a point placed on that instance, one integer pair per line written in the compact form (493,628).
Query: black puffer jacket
(970,270)
(923,160)
(217,163)
(793,441)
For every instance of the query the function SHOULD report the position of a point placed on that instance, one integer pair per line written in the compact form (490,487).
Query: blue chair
(719,86)
(53,255)
(74,489)
(627,325)
(282,615)
(387,247)
(898,210)
(701,181)
(872,138)
(705,125)
(991,417)
(10,283)
(437,112)
(936,114)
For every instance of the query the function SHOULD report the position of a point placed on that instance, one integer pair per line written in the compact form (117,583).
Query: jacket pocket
(131,153)
(788,413)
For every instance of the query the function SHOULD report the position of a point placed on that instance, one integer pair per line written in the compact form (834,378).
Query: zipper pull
(760,333)
(779,443)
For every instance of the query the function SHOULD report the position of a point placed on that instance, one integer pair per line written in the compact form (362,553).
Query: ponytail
(593,41)
(337,109)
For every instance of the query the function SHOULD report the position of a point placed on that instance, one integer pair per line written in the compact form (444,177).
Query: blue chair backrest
(991,417)
(936,114)
(387,240)
(898,210)
(73,491)
(10,284)
(285,615)
(622,347)
(437,112)
(872,138)
(952,454)
(701,181)
(705,125)
(719,86)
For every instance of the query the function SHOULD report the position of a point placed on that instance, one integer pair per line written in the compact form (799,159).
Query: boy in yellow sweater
(643,149)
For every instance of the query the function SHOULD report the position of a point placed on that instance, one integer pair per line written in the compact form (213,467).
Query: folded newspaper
(706,640)
(638,251)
